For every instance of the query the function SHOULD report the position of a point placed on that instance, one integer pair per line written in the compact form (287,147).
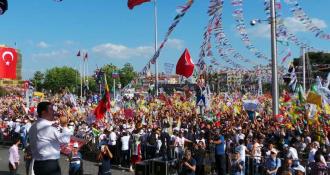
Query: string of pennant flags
(282,30)
(206,44)
(217,6)
(238,15)
(301,15)
(181,12)
(224,46)
(206,48)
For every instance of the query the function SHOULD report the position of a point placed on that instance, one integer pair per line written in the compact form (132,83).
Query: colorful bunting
(181,12)
(301,15)
(241,29)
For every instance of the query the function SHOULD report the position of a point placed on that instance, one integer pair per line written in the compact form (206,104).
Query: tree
(38,80)
(92,84)
(127,74)
(108,69)
(60,78)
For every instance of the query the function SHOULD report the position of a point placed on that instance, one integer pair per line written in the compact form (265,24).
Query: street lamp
(257,21)
(272,21)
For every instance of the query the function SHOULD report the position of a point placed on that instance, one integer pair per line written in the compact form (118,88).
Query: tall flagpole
(156,45)
(275,93)
(303,55)
(80,69)
(84,78)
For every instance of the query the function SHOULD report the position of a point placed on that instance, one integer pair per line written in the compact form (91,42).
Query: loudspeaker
(159,167)
(142,168)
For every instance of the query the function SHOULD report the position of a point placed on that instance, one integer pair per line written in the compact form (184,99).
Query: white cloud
(175,43)
(42,44)
(119,51)
(294,25)
(69,42)
(53,54)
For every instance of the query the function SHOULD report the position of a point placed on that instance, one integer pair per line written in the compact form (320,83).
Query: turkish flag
(8,61)
(185,65)
(132,3)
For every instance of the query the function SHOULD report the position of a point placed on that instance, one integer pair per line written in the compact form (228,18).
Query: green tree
(92,84)
(108,70)
(38,80)
(59,78)
(127,74)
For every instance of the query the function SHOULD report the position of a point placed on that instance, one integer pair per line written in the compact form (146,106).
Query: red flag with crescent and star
(8,61)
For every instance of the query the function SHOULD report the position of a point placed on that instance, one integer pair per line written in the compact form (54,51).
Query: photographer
(188,164)
(104,158)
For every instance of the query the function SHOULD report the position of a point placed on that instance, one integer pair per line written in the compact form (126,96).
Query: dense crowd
(220,135)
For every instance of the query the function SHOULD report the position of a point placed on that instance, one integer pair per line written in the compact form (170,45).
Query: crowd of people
(200,133)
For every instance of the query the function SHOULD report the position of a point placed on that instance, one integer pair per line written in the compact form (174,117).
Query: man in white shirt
(45,140)
(113,145)
(292,153)
(125,149)
(242,150)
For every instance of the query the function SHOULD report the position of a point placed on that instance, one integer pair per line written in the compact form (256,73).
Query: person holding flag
(104,103)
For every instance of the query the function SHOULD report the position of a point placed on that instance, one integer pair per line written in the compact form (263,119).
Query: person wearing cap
(45,140)
(272,163)
(299,170)
(75,161)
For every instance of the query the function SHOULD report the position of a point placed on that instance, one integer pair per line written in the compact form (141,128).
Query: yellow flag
(314,98)
(327,109)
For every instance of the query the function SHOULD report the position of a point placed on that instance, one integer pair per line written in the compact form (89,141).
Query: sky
(50,33)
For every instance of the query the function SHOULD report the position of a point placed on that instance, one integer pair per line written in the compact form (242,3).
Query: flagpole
(114,88)
(80,69)
(87,84)
(304,67)
(156,44)
(275,93)
(84,77)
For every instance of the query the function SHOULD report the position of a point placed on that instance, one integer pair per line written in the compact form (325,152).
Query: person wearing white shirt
(113,145)
(14,157)
(125,149)
(312,152)
(292,153)
(242,150)
(45,140)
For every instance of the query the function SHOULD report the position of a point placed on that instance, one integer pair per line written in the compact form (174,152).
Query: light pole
(275,92)
(274,58)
